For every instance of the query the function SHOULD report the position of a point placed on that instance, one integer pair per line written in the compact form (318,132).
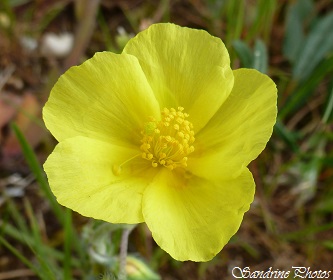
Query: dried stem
(85,28)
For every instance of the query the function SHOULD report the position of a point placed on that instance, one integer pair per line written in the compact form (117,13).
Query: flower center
(168,142)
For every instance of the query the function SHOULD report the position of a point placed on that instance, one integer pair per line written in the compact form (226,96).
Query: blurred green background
(290,223)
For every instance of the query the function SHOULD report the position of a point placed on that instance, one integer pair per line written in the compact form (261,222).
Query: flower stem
(123,252)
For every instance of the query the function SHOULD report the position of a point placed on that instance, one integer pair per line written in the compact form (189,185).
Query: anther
(169,141)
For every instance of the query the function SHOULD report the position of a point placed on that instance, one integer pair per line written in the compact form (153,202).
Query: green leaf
(260,58)
(294,34)
(244,53)
(257,59)
(306,88)
(316,46)
(286,135)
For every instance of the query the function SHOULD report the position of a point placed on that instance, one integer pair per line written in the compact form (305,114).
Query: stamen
(169,141)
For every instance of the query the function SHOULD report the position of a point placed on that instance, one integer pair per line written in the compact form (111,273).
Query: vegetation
(290,222)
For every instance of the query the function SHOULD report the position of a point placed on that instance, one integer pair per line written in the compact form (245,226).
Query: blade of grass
(33,224)
(41,273)
(68,245)
(305,89)
(263,21)
(38,172)
(8,9)
(105,32)
(41,179)
(38,248)
(235,15)
(26,239)
(328,244)
(17,217)
(22,258)
(299,235)
(329,108)
(24,112)
(86,21)
(215,8)
(286,135)
(53,11)
(165,10)
(15,3)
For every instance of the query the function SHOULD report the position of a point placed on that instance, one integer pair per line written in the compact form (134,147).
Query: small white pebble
(57,45)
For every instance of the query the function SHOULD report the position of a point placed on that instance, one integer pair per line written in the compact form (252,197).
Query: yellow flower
(161,134)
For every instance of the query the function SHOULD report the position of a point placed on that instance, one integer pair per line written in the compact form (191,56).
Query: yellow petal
(193,218)
(239,131)
(81,175)
(185,67)
(107,98)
